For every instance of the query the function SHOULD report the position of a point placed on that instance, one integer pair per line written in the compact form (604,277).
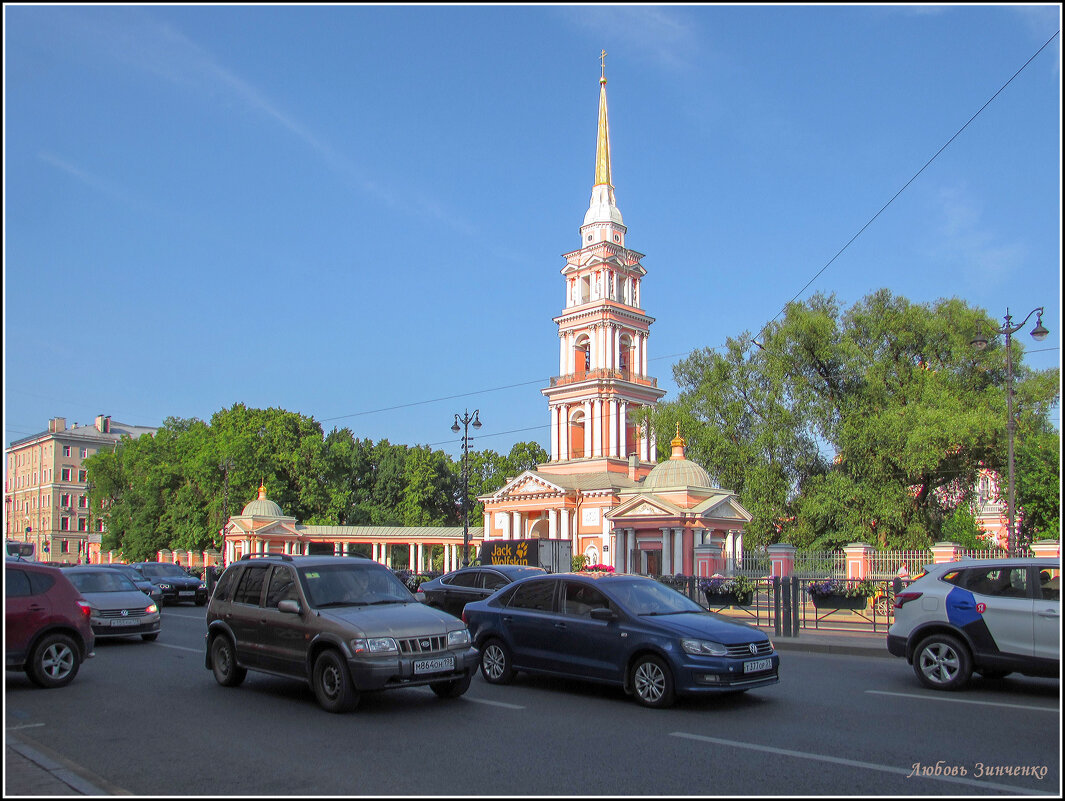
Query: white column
(552,524)
(338,549)
(561,353)
(643,354)
(563,440)
(421,556)
(587,428)
(564,531)
(678,550)
(516,527)
(597,439)
(623,427)
(554,436)
(667,556)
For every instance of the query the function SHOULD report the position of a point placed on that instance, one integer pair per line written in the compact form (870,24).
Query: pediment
(528,483)
(727,508)
(643,506)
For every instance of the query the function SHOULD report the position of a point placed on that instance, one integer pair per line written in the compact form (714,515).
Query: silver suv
(346,625)
(991,616)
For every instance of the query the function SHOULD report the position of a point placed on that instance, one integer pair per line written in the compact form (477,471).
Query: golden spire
(602,148)
(677,444)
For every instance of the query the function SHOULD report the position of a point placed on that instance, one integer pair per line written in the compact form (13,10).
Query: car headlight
(202,586)
(374,645)
(703,648)
(164,586)
(458,638)
(151,610)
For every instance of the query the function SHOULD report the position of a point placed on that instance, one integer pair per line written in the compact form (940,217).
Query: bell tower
(603,334)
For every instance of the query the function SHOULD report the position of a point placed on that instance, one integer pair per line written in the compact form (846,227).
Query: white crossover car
(991,616)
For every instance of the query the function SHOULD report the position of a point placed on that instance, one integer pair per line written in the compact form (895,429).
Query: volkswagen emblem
(125,613)
(754,647)
(425,644)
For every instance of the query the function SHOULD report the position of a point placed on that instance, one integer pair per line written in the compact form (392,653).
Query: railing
(604,374)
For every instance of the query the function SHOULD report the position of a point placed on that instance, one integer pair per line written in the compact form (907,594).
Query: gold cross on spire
(602,61)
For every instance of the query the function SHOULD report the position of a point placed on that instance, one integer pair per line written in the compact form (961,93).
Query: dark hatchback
(452,591)
(627,630)
(140,581)
(176,585)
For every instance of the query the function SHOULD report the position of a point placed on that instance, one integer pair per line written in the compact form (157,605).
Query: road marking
(187,617)
(180,648)
(924,697)
(24,726)
(480,700)
(854,763)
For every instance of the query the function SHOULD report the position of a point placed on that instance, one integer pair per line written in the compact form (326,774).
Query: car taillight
(86,610)
(464,620)
(904,598)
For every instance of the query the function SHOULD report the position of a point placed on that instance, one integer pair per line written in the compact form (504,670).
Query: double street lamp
(980,342)
(465,420)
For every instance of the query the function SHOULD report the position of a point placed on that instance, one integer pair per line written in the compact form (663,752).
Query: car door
(24,612)
(461,589)
(528,623)
(1006,607)
(1047,618)
(582,645)
(282,634)
(244,615)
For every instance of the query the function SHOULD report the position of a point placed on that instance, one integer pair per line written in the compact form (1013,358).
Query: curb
(38,770)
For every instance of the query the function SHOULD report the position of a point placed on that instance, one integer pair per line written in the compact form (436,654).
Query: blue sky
(358,213)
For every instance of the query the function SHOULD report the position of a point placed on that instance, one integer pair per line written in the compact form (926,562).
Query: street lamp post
(465,428)
(980,342)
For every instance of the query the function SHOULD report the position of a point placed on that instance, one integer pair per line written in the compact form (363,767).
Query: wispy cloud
(964,239)
(659,33)
(147,45)
(86,177)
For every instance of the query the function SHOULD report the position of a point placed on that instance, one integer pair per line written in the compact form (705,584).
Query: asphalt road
(149,719)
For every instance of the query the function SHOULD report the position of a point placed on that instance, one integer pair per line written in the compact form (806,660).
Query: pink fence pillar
(782,559)
(1047,549)
(859,559)
(943,552)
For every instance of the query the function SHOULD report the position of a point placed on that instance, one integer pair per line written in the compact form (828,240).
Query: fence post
(786,583)
(776,605)
(795,606)
(943,552)
(1046,549)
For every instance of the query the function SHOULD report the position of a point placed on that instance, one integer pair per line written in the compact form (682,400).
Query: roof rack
(283,556)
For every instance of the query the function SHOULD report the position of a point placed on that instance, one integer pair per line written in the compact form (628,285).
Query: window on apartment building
(83,502)
(64,499)
(83,524)
(84,452)
(100,525)
(64,546)
(64,524)
(65,474)
(66,450)
(83,476)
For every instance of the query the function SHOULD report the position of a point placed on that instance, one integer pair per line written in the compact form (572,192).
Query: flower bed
(840,594)
(722,591)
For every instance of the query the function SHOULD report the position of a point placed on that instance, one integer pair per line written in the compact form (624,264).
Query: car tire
(224,662)
(496,664)
(453,688)
(54,662)
(332,683)
(942,662)
(150,637)
(652,682)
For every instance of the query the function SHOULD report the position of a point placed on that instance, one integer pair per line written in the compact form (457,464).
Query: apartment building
(46,492)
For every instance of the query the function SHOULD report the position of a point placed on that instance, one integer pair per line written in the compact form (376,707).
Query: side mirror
(290,606)
(603,613)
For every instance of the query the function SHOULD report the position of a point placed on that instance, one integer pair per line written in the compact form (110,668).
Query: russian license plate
(757,665)
(440,665)
(187,592)
(125,621)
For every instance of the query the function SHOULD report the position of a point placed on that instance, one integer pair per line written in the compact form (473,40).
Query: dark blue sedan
(620,629)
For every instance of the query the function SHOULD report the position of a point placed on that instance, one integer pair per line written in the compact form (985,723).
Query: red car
(46,624)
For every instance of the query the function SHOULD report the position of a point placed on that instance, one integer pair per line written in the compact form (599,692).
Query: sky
(358,213)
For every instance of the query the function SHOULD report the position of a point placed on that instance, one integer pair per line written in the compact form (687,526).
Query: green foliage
(865,424)
(961,527)
(578,562)
(1037,484)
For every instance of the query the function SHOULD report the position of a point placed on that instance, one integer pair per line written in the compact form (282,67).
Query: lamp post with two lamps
(1039,333)
(465,429)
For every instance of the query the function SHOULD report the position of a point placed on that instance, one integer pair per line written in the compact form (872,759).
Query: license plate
(757,665)
(187,592)
(435,665)
(126,621)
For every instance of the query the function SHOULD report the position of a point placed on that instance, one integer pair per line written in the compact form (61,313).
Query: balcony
(604,374)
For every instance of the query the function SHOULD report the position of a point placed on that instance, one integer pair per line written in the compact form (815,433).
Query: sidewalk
(29,772)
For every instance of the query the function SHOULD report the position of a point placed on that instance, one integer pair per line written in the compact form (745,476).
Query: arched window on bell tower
(585,286)
(625,354)
(576,435)
(582,355)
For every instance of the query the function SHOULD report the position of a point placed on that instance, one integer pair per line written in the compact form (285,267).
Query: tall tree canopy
(866,424)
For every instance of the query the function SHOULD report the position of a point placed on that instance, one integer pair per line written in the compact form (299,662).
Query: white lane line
(24,726)
(179,648)
(923,697)
(484,701)
(854,763)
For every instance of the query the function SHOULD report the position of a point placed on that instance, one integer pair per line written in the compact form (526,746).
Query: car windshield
(353,585)
(163,569)
(649,597)
(102,581)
